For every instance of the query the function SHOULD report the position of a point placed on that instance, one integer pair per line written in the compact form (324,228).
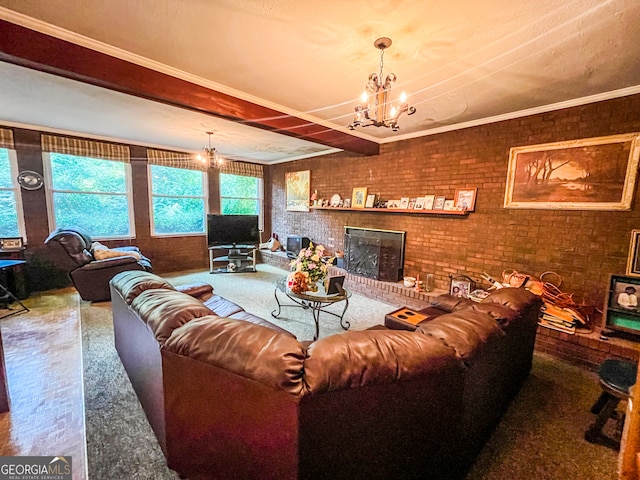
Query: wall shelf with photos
(362,201)
(395,210)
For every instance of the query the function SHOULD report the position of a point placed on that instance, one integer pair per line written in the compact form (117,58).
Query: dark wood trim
(28,48)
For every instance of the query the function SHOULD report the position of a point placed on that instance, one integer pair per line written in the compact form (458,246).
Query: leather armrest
(108,262)
(199,290)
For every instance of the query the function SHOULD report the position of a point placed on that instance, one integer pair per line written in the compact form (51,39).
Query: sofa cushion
(200,290)
(500,313)
(222,307)
(132,283)
(251,318)
(358,358)
(465,330)
(514,298)
(165,310)
(449,303)
(263,354)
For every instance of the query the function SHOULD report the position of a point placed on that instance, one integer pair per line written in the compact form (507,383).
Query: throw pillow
(100,252)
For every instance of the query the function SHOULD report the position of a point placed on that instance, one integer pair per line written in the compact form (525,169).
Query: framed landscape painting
(297,188)
(588,174)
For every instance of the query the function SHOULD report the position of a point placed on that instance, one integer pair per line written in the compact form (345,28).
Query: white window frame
(46,156)
(205,199)
(260,197)
(17,192)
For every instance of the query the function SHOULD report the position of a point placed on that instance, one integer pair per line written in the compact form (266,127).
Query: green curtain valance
(85,148)
(6,138)
(175,159)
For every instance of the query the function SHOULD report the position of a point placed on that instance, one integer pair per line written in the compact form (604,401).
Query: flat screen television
(232,230)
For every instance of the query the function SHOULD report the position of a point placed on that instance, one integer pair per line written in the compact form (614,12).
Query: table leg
(273,313)
(316,308)
(345,324)
(9,297)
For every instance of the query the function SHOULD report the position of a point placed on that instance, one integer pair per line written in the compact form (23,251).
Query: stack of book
(560,318)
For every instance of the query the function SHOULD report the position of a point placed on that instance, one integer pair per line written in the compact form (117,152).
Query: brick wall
(583,247)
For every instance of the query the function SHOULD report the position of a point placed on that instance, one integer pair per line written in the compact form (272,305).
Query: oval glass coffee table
(317,302)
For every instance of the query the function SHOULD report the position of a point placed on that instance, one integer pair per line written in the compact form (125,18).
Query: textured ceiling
(461,63)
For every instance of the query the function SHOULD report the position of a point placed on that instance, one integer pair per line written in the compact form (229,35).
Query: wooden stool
(616,378)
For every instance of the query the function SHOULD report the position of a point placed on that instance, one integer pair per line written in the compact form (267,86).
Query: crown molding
(576,102)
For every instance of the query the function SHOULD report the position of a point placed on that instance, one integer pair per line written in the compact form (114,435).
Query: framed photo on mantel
(466,199)
(359,197)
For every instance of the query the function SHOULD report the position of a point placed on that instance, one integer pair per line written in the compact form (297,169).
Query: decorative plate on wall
(335,200)
(30,180)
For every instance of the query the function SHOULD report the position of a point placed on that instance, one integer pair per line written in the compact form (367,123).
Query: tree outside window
(178,200)
(91,193)
(9,207)
(239,195)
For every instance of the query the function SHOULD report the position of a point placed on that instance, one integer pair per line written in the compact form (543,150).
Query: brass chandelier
(375,108)
(210,157)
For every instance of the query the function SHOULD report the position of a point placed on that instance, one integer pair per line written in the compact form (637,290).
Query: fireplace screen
(376,254)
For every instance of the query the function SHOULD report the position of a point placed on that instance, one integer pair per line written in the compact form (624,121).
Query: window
(90,193)
(11,219)
(240,195)
(178,200)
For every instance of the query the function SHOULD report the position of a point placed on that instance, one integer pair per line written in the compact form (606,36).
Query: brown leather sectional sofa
(231,396)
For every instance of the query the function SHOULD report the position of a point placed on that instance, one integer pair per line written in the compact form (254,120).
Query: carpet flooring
(539,437)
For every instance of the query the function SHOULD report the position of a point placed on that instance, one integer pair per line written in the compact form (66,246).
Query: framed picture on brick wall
(633,261)
(587,174)
(297,185)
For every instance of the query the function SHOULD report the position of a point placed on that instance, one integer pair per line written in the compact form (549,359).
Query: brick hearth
(585,348)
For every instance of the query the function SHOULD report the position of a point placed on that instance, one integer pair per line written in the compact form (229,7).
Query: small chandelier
(374,107)
(210,157)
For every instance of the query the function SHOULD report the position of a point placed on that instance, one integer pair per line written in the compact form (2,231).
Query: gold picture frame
(298,188)
(586,174)
(359,197)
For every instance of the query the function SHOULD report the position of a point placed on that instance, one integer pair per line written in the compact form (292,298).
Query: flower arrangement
(310,262)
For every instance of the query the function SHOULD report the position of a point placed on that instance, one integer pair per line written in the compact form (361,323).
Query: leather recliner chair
(91,277)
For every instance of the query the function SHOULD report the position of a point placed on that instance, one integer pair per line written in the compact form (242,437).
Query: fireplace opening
(376,254)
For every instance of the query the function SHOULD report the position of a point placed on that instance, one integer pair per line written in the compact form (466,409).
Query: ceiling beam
(28,48)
